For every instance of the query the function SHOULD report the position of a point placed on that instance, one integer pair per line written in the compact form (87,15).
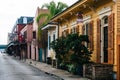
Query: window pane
(53,37)
(49,41)
(34,35)
(105,20)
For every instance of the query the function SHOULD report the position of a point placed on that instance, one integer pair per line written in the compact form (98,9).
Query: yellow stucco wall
(94,16)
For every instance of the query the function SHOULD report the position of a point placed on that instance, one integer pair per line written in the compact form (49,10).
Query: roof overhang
(49,26)
(72,10)
(80,6)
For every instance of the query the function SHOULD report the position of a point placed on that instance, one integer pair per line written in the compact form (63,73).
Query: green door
(40,55)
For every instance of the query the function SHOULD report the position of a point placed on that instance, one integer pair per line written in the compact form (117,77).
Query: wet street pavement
(11,69)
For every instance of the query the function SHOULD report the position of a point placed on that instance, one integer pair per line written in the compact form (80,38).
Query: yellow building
(100,20)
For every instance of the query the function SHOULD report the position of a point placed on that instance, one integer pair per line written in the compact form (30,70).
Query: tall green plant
(59,47)
(74,43)
(53,9)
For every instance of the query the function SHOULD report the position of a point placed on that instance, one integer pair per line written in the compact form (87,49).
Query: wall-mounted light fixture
(79,17)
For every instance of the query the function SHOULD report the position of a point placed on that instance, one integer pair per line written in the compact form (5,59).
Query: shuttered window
(98,40)
(75,29)
(87,29)
(111,38)
(90,35)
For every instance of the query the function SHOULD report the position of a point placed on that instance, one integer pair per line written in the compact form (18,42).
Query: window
(86,29)
(65,32)
(105,20)
(105,50)
(25,34)
(73,30)
(104,39)
(25,20)
(34,35)
(53,37)
(49,41)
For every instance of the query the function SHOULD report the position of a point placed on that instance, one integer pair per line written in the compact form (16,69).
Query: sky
(11,10)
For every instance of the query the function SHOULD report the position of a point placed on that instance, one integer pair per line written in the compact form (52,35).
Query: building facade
(27,36)
(99,20)
(17,40)
(52,29)
(38,50)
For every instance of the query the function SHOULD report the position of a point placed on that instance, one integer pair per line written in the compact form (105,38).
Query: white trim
(73,24)
(56,32)
(48,26)
(86,18)
(86,21)
(104,11)
(64,28)
(102,39)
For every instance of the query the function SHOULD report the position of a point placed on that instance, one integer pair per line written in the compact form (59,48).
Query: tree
(53,10)
(59,47)
(74,43)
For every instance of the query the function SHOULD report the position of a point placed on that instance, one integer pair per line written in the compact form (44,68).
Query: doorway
(104,40)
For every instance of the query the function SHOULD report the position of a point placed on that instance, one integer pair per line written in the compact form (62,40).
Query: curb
(54,75)
(34,65)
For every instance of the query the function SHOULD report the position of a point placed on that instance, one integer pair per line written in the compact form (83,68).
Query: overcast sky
(10,10)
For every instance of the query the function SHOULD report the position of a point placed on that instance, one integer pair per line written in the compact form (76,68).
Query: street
(11,69)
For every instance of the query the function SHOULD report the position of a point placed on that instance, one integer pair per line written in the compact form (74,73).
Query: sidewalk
(48,69)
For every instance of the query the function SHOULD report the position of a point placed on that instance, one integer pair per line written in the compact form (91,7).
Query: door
(35,53)
(104,40)
(105,44)
(40,55)
(30,51)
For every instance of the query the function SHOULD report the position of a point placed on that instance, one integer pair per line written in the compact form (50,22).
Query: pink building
(37,52)
(27,36)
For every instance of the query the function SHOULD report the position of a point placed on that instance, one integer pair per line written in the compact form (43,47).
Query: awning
(13,43)
(50,25)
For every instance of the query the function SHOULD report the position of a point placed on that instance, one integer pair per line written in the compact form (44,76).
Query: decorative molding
(86,19)
(104,10)
(73,24)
